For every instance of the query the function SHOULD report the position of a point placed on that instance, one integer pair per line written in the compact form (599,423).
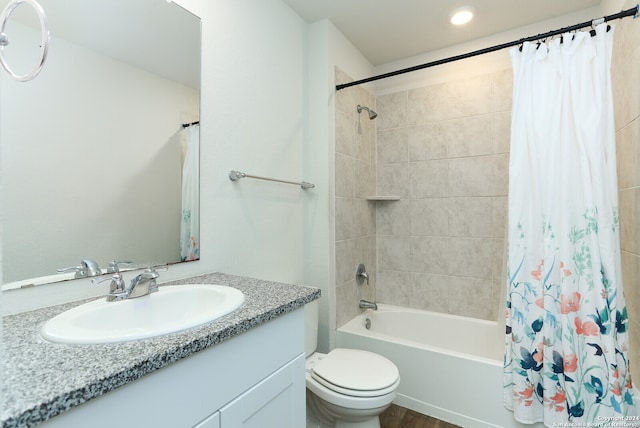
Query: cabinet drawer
(277,401)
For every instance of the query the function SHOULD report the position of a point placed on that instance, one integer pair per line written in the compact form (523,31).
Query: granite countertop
(43,379)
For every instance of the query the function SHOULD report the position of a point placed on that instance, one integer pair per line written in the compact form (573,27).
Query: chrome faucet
(117,290)
(141,285)
(364,304)
(86,268)
(145,283)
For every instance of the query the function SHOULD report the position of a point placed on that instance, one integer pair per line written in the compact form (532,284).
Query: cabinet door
(277,401)
(212,421)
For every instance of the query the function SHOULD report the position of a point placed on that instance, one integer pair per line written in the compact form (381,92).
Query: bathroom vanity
(244,369)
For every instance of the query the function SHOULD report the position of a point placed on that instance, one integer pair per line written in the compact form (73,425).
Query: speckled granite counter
(42,379)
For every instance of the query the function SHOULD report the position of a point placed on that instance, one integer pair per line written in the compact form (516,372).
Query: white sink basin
(171,309)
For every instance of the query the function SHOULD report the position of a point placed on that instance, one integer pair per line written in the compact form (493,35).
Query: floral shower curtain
(566,339)
(190,224)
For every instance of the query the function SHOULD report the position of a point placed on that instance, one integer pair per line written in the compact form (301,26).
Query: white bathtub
(450,366)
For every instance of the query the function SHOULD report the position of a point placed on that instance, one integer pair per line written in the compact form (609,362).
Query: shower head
(372,114)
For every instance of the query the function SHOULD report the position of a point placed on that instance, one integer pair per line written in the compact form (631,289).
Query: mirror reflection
(100,152)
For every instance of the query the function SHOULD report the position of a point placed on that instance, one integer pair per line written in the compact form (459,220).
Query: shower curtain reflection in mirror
(190,224)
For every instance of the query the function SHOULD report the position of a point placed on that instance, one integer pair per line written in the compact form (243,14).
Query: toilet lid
(355,370)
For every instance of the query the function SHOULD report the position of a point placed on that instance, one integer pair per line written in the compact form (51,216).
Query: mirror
(94,156)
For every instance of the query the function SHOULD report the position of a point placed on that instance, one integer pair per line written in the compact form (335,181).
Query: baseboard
(442,414)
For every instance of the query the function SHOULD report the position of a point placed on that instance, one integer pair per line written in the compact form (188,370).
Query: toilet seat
(356,373)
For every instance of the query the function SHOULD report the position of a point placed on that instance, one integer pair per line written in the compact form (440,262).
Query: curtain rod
(629,12)
(186,125)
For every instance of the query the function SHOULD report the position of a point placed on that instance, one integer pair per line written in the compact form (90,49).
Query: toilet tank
(310,327)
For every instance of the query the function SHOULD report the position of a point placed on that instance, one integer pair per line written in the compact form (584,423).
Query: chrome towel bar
(237,175)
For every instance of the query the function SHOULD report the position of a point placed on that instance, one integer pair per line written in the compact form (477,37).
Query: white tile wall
(444,150)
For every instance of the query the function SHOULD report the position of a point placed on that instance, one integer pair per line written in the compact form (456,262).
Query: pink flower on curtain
(537,274)
(588,328)
(565,272)
(539,356)
(570,363)
(558,400)
(569,303)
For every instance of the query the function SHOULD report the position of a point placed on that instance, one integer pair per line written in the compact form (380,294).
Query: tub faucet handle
(361,274)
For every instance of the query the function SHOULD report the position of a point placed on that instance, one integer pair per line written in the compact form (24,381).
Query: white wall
(318,222)
(253,121)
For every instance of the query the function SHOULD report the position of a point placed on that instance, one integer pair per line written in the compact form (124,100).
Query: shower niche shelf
(383,198)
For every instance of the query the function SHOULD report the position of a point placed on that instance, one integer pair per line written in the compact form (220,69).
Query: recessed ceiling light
(462,15)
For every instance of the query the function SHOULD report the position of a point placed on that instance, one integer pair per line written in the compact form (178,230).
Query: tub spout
(363,304)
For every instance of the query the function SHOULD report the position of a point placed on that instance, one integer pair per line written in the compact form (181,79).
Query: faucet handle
(156,268)
(116,277)
(80,270)
(117,288)
(114,266)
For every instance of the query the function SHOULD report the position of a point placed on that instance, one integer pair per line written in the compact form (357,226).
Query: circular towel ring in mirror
(4,41)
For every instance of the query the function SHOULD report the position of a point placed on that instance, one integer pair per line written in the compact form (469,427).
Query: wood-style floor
(399,417)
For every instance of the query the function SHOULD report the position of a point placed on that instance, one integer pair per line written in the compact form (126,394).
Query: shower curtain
(190,224)
(566,340)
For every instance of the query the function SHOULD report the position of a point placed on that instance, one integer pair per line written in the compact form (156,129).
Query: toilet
(346,387)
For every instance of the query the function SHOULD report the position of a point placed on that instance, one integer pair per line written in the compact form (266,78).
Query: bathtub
(450,366)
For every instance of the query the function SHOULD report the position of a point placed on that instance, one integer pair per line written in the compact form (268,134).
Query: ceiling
(389,30)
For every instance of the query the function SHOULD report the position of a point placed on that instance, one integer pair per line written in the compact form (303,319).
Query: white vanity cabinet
(254,379)
(274,402)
